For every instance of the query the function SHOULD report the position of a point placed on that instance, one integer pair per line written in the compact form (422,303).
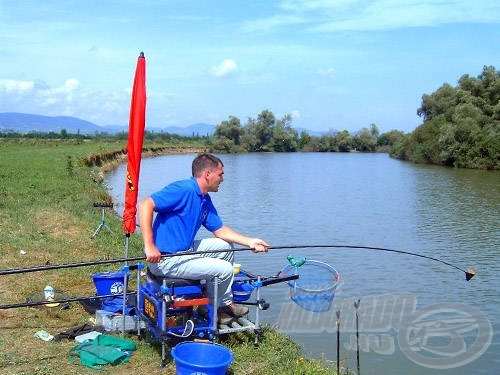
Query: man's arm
(146,209)
(230,235)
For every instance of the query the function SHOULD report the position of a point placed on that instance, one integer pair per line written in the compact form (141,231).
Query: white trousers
(203,267)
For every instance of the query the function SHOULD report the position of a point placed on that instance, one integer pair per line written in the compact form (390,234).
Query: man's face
(214,178)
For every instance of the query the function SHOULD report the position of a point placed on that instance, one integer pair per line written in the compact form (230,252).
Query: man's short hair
(205,161)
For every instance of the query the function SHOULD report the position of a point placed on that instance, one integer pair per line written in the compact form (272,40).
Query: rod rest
(103,204)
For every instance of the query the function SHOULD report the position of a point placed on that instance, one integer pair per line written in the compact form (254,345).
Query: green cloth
(103,350)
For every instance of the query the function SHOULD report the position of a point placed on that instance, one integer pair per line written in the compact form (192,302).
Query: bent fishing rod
(469,273)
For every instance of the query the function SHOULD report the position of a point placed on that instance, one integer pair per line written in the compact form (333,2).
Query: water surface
(367,200)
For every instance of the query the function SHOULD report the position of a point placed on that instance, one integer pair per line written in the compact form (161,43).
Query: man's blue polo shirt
(181,210)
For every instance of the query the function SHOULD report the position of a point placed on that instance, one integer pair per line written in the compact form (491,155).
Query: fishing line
(469,274)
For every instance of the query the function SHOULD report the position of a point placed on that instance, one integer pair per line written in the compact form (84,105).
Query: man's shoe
(225,319)
(234,310)
(238,310)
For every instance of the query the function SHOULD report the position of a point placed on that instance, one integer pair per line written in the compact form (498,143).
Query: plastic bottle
(48,293)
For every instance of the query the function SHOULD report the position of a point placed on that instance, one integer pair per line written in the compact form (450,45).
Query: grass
(47,190)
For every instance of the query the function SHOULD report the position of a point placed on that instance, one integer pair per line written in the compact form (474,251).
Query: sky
(331,64)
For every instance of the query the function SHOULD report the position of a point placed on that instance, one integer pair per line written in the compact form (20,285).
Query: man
(182,208)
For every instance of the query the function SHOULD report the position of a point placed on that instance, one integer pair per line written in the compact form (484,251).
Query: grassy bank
(47,190)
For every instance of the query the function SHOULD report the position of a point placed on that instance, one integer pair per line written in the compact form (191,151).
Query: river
(416,316)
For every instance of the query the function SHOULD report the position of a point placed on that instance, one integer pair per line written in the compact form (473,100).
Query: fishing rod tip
(469,274)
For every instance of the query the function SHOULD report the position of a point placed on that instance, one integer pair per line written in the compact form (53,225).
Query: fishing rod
(338,340)
(61,302)
(356,306)
(469,274)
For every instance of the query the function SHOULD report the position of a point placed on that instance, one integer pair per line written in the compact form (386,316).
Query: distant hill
(199,129)
(26,123)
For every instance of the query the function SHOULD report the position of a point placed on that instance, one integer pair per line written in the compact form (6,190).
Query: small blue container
(201,358)
(109,282)
(242,288)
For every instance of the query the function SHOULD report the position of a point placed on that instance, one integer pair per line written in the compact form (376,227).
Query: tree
(344,141)
(461,125)
(374,130)
(258,133)
(364,141)
(230,129)
(284,138)
(437,103)
(320,144)
(304,139)
(390,138)
(224,144)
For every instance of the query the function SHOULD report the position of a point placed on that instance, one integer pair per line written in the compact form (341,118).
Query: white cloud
(71,84)
(15,87)
(225,68)
(327,72)
(269,23)
(360,15)
(67,99)
(295,114)
(38,87)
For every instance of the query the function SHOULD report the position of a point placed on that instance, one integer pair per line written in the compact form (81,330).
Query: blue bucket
(201,358)
(109,283)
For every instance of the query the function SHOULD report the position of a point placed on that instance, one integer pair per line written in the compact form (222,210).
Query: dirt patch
(58,225)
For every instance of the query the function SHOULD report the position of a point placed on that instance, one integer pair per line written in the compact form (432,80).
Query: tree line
(461,125)
(266,133)
(461,128)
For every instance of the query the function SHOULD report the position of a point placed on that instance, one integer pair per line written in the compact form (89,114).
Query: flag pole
(137,123)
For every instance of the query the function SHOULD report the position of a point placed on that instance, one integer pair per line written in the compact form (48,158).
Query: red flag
(134,145)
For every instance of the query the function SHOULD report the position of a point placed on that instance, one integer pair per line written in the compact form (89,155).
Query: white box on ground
(114,322)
